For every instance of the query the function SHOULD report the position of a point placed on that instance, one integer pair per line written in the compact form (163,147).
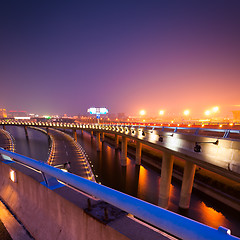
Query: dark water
(139,181)
(36,146)
(143,182)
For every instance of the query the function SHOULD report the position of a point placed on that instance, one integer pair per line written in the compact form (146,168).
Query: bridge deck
(67,150)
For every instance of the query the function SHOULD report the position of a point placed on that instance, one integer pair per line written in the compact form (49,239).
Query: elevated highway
(68,210)
(217,150)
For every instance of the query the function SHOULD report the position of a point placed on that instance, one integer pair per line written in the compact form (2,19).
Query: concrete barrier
(60,213)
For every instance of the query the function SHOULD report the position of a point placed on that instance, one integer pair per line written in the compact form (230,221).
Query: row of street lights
(185,112)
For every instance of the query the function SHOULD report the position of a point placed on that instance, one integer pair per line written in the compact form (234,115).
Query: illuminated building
(236,115)
(3,113)
(13,114)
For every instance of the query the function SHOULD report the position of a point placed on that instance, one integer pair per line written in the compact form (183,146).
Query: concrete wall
(59,214)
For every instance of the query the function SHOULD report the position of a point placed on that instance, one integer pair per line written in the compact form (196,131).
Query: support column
(47,129)
(91,134)
(102,138)
(26,133)
(166,176)
(138,153)
(187,183)
(74,134)
(98,142)
(124,151)
(4,127)
(116,141)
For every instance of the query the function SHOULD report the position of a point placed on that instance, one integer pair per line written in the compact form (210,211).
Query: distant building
(112,116)
(3,113)
(122,116)
(236,115)
(13,114)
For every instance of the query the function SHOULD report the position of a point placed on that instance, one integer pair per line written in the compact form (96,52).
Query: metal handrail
(170,222)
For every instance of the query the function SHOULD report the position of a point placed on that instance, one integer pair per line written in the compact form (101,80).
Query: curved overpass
(217,150)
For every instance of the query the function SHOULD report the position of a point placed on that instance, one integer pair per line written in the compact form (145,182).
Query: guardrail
(170,222)
(195,130)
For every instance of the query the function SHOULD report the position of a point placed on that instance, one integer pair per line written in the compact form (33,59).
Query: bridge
(72,207)
(214,149)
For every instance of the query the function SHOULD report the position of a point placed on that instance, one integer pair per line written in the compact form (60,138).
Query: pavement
(10,227)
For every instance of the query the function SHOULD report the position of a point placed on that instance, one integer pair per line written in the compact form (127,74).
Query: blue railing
(168,221)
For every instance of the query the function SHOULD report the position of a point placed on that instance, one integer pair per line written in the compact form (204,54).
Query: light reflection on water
(211,216)
(36,146)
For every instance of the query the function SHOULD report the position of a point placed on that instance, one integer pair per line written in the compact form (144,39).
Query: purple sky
(65,56)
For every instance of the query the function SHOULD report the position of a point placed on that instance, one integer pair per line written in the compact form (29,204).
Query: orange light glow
(215,109)
(211,217)
(161,112)
(142,112)
(207,113)
(186,112)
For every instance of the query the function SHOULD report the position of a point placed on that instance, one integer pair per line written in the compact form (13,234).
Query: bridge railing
(170,222)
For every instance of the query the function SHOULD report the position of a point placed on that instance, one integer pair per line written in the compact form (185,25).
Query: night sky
(65,56)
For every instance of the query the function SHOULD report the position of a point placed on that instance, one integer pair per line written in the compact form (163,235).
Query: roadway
(67,150)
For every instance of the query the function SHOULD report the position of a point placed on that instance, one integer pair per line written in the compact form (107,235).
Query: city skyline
(63,57)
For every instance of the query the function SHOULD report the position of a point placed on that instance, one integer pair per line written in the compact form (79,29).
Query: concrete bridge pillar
(124,151)
(74,134)
(102,137)
(166,176)
(138,153)
(26,132)
(187,183)
(98,142)
(116,141)
(91,134)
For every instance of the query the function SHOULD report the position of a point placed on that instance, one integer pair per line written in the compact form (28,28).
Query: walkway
(10,228)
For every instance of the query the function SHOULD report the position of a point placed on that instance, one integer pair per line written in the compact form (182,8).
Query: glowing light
(186,112)
(23,118)
(142,112)
(94,110)
(144,120)
(161,112)
(220,125)
(207,113)
(230,124)
(189,125)
(13,176)
(215,109)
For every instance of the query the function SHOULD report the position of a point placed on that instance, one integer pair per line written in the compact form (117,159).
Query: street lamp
(142,112)
(207,113)
(161,112)
(186,112)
